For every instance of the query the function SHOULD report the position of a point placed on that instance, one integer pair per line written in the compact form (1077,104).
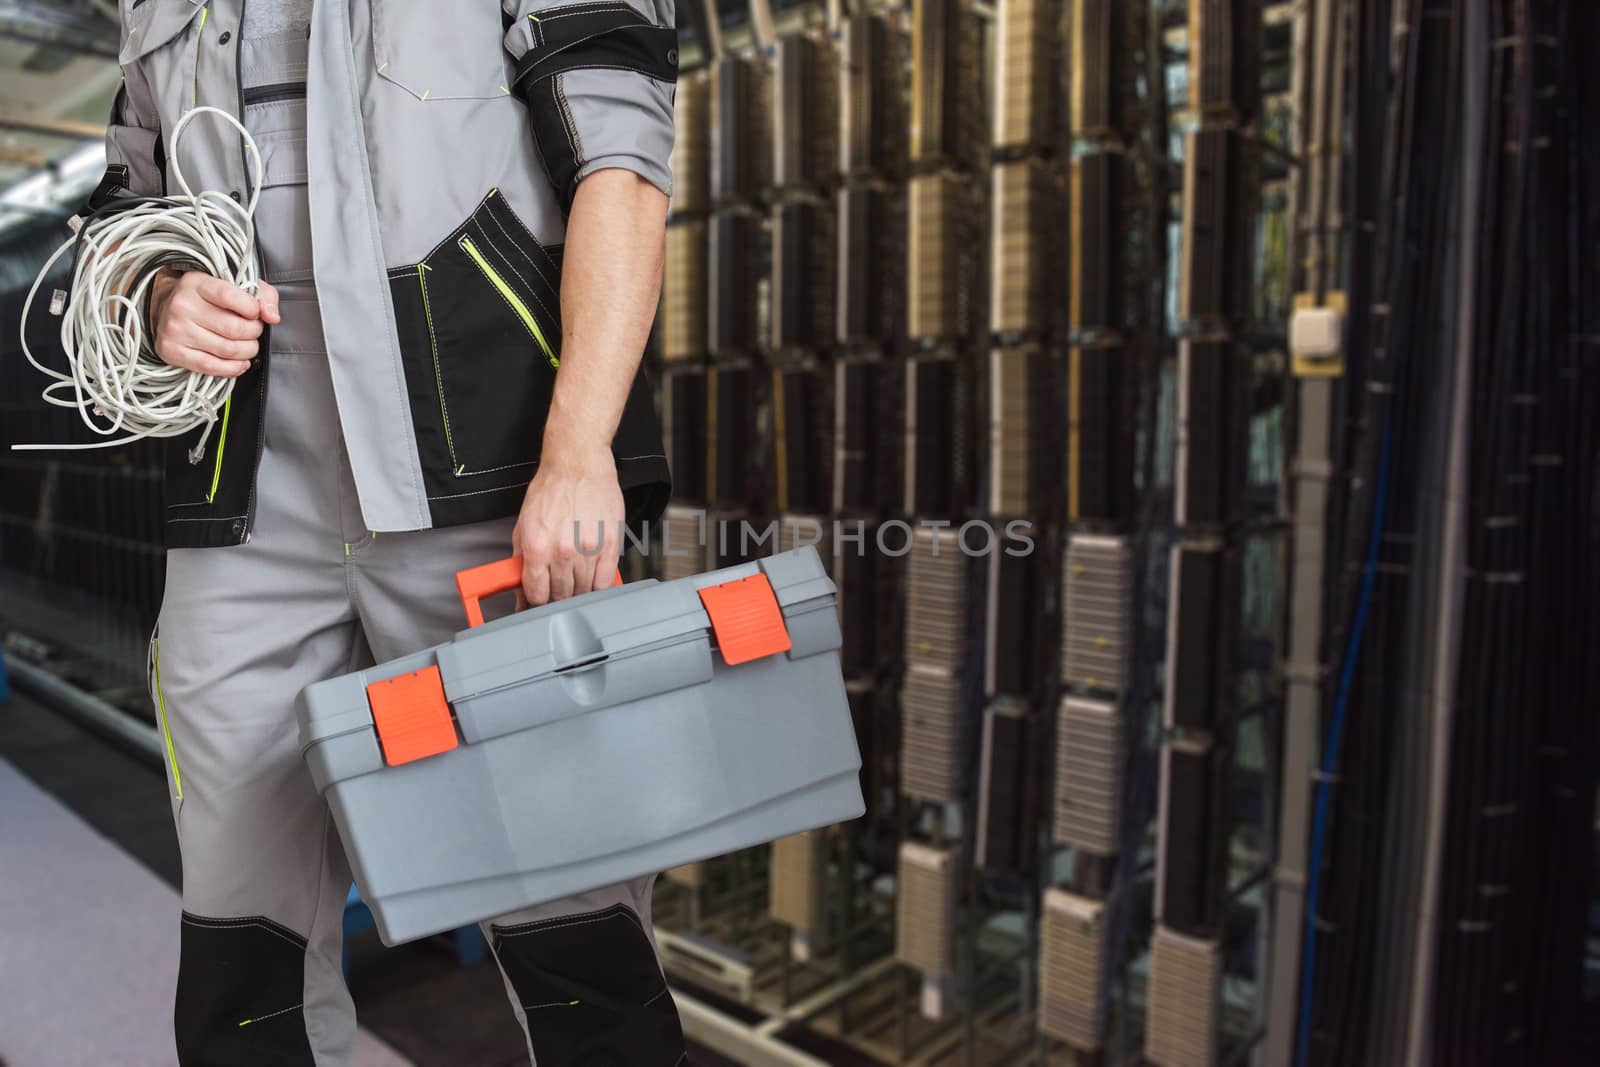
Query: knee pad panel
(592,990)
(241,985)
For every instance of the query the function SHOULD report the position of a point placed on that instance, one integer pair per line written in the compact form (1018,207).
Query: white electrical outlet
(1316,333)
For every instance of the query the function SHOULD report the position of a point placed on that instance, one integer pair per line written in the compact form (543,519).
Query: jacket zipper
(511,296)
(271,94)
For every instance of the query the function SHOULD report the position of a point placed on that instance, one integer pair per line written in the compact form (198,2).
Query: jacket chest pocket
(480,335)
(283,213)
(272,71)
(438,51)
(159,50)
(275,114)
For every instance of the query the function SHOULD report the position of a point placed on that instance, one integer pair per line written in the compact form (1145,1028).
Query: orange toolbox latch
(746,619)
(412,716)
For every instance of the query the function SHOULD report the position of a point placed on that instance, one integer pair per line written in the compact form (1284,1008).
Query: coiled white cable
(115,379)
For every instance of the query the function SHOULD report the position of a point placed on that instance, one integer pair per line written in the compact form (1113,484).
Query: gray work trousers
(314,594)
(242,630)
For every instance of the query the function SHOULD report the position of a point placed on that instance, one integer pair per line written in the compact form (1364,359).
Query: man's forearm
(568,533)
(610,282)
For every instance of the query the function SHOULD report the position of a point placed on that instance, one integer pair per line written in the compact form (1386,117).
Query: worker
(461,229)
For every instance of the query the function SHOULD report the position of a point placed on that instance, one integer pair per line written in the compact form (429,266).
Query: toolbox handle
(491,579)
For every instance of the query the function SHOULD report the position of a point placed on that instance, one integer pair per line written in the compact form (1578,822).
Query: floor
(87,956)
(91,921)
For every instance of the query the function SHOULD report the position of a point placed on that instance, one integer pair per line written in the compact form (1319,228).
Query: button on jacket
(442,146)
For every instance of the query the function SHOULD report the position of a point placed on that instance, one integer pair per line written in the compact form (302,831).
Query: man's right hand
(209,325)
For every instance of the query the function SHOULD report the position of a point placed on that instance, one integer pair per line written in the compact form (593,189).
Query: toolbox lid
(573,656)
(750,607)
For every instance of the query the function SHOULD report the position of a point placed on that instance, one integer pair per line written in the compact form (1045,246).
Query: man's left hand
(569,533)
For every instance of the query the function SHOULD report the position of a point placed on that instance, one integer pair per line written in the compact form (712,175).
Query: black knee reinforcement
(592,990)
(241,984)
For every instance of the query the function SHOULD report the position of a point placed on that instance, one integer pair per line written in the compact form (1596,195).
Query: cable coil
(116,380)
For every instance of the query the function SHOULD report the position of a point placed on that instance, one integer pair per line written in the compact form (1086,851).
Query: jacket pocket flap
(283,158)
(152,23)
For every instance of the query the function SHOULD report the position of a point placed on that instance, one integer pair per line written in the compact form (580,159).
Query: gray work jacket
(442,145)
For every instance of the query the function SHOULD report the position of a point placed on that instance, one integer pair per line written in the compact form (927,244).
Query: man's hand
(208,325)
(569,533)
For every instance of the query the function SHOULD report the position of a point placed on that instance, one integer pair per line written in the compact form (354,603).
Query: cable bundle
(116,380)
(1409,132)
(1504,349)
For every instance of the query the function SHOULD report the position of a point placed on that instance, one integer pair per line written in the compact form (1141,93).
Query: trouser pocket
(592,990)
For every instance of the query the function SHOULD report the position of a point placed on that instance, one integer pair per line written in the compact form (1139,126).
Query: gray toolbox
(581,743)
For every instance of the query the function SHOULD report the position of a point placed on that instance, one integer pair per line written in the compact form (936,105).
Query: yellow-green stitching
(270,1015)
(433,348)
(222,445)
(166,729)
(511,298)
